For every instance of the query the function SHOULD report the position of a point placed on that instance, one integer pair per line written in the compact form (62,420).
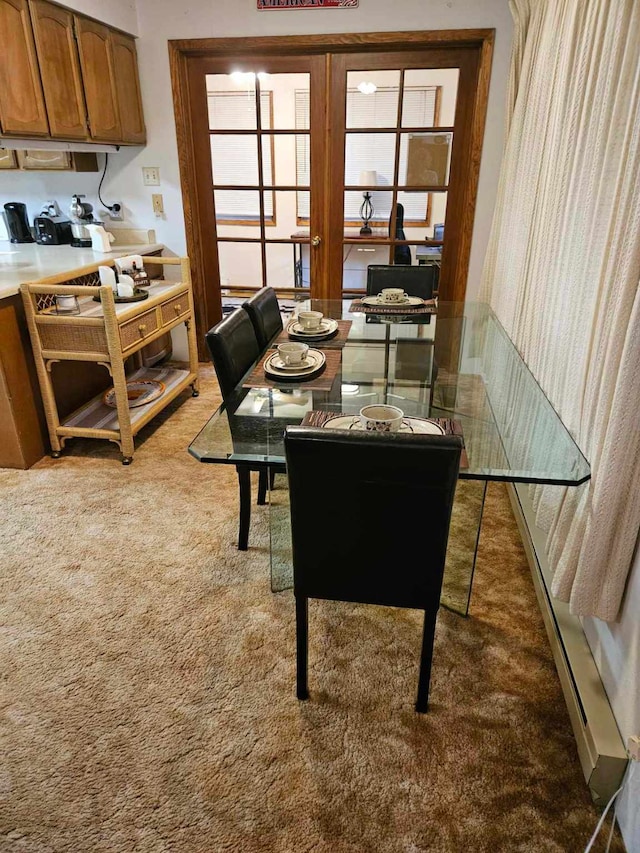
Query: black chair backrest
(234,348)
(373,528)
(264,311)
(414,280)
(401,254)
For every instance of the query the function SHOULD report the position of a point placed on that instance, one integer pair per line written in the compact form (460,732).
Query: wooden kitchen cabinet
(66,76)
(96,61)
(22,109)
(60,70)
(125,64)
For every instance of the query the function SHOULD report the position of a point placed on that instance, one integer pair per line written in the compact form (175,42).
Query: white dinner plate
(378,302)
(417,426)
(327,327)
(314,361)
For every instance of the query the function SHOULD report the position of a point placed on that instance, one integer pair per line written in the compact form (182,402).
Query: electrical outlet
(116,213)
(151,176)
(633,747)
(158,204)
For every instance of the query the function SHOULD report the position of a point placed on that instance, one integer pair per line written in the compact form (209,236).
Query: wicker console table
(108,333)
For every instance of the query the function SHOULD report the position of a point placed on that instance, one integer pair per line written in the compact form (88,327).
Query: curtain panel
(562,271)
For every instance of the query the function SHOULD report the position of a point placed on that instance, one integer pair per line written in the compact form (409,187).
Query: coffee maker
(17,222)
(81,216)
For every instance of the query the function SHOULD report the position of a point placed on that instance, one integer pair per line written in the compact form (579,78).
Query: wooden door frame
(183,53)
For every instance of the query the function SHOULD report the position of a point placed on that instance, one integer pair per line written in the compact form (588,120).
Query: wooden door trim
(198,215)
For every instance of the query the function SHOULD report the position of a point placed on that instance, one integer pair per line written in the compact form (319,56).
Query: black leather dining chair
(414,280)
(264,311)
(234,349)
(397,493)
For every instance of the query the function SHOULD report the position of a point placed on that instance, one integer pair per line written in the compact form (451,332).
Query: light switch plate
(151,176)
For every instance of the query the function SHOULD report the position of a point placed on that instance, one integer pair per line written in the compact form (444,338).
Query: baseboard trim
(600,746)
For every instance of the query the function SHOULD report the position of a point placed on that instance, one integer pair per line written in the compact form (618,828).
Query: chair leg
(302,637)
(426,656)
(272,478)
(244,483)
(262,487)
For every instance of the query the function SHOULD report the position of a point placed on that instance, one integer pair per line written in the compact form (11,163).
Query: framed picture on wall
(428,159)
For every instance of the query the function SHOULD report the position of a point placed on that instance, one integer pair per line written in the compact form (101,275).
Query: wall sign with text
(307,4)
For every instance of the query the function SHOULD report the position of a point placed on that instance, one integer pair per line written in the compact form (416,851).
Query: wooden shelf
(96,415)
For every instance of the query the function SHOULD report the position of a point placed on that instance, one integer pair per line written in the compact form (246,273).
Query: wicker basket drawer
(176,307)
(138,329)
(70,338)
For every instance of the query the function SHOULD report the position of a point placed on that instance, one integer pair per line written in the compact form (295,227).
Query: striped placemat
(338,339)
(322,381)
(358,307)
(319,418)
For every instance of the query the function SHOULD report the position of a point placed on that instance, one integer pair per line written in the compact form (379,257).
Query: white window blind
(234,158)
(371,151)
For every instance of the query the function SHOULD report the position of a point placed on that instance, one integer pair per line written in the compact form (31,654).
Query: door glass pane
(240,207)
(372,98)
(289,154)
(281,264)
(442,83)
(286,221)
(354,212)
(425,159)
(356,258)
(369,157)
(289,99)
(231,100)
(240,264)
(234,159)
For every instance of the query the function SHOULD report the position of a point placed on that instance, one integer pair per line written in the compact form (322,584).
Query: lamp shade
(368,178)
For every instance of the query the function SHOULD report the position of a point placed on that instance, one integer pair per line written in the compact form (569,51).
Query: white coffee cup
(393,294)
(310,319)
(66,303)
(293,354)
(381,418)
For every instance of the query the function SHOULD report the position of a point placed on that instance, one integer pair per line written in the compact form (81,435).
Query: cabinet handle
(142,327)
(178,308)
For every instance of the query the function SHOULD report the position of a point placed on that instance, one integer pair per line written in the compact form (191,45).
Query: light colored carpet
(148,696)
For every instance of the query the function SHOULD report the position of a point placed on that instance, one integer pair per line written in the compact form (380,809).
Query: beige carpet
(148,683)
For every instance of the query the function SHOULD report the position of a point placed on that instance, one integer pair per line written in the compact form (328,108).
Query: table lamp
(367,179)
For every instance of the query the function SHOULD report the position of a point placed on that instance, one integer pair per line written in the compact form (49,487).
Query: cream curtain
(563,268)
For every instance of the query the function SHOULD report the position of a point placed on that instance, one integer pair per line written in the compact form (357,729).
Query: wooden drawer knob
(178,308)
(142,327)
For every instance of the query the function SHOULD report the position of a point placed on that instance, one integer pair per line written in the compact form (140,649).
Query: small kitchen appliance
(81,213)
(17,222)
(51,228)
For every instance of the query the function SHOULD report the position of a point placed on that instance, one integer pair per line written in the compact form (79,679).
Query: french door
(304,160)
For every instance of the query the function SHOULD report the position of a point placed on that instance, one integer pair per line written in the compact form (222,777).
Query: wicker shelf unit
(108,333)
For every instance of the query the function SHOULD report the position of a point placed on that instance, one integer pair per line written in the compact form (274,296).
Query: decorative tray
(138,296)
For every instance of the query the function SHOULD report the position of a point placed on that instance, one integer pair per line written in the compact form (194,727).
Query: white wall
(117,13)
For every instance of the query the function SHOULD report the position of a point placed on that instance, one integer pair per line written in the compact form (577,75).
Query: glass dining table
(457,365)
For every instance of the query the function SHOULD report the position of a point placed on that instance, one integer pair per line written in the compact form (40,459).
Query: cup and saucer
(392,297)
(311,325)
(293,360)
(384,419)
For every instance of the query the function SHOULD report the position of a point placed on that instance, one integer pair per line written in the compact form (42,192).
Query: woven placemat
(319,418)
(358,307)
(338,339)
(322,381)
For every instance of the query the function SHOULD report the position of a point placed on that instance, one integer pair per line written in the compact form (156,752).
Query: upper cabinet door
(53,30)
(125,65)
(96,59)
(21,103)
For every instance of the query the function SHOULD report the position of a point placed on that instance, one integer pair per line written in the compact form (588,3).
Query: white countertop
(20,262)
